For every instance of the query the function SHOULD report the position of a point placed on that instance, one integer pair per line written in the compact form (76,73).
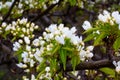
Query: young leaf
(72,2)
(116,44)
(63,57)
(75,60)
(99,38)
(90,30)
(108,71)
(53,66)
(90,37)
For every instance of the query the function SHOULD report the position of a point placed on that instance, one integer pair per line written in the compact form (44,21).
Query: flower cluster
(112,18)
(58,44)
(107,26)
(24,5)
(85,54)
(6,4)
(23,49)
(18,29)
(106,17)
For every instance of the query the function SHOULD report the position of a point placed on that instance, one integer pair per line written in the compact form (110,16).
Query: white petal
(115,14)
(47,69)
(73,29)
(114,62)
(33,77)
(90,48)
(89,55)
(60,39)
(27,40)
(36,42)
(117,69)
(86,25)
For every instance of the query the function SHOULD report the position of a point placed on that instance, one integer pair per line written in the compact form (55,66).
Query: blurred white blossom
(86,25)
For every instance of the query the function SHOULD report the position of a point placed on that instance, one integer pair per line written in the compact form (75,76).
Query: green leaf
(72,2)
(90,37)
(63,57)
(68,49)
(108,71)
(38,76)
(41,66)
(90,30)
(18,54)
(75,60)
(56,48)
(56,77)
(6,33)
(116,44)
(99,38)
(41,1)
(53,66)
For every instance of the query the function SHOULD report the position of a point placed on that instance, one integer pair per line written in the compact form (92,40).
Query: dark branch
(10,10)
(93,64)
(6,57)
(46,11)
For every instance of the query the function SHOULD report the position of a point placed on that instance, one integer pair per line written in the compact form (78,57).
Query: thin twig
(46,11)
(10,10)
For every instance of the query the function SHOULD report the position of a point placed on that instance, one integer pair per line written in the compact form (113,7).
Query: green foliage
(99,38)
(90,37)
(75,61)
(72,2)
(103,30)
(108,71)
(116,44)
(63,57)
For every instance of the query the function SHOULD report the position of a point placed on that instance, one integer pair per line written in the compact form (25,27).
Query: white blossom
(36,42)
(117,65)
(55,1)
(105,17)
(52,28)
(47,69)
(60,39)
(73,29)
(16,46)
(21,65)
(82,55)
(32,62)
(20,41)
(86,25)
(90,48)
(8,27)
(116,16)
(27,40)
(28,48)
(4,24)
(117,69)
(33,77)
(75,39)
(60,27)
(89,55)
(38,53)
(24,54)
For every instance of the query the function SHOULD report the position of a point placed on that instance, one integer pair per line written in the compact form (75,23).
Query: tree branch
(92,64)
(10,10)
(46,11)
(6,57)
